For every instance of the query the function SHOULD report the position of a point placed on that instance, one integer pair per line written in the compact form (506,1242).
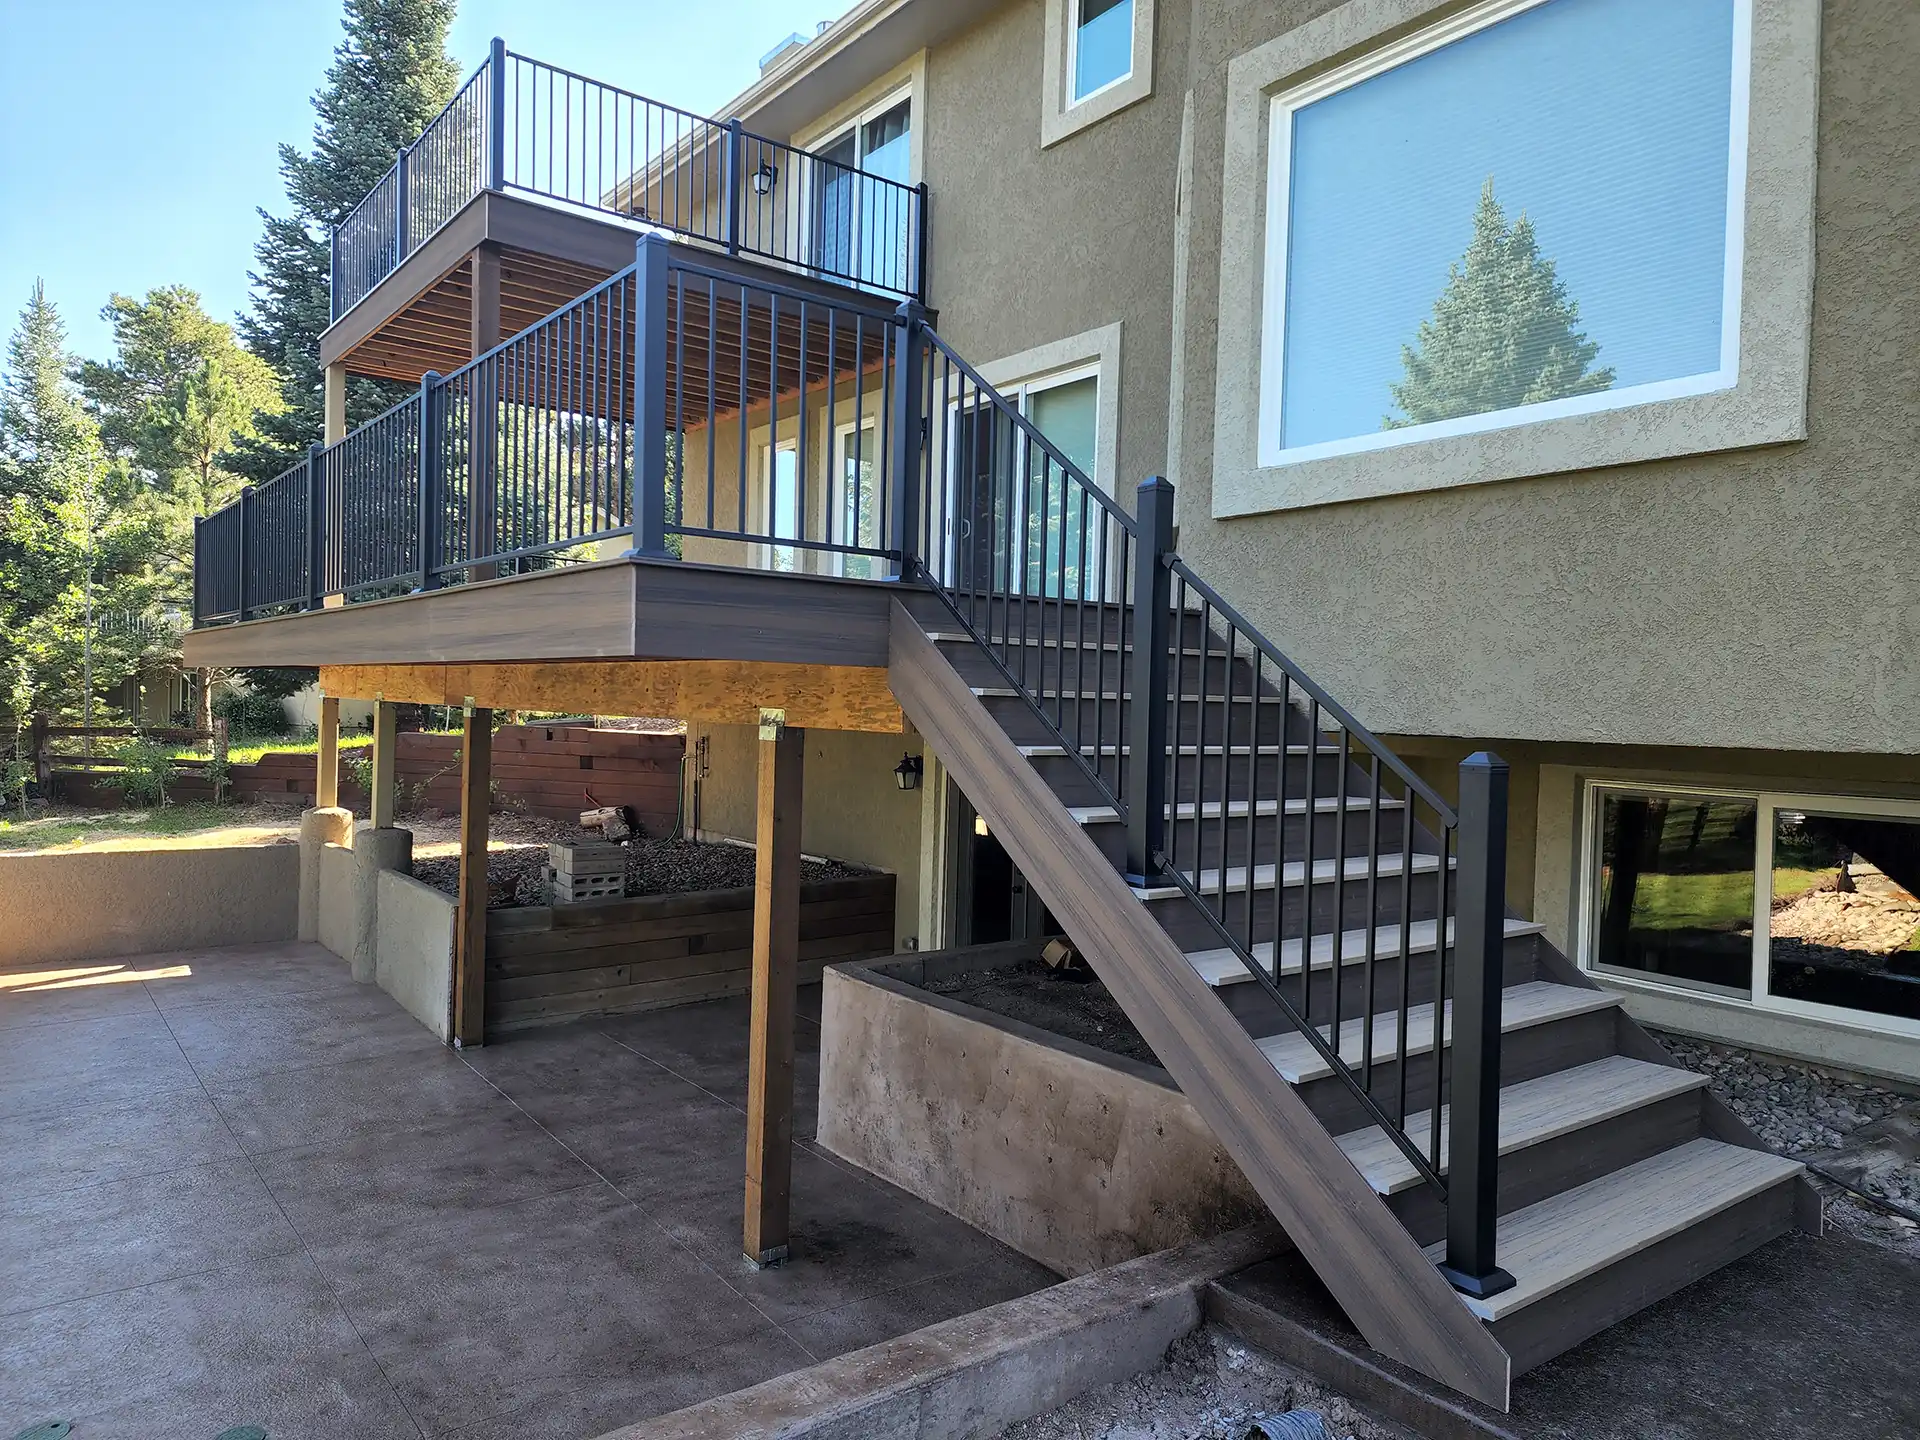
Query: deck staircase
(1288,948)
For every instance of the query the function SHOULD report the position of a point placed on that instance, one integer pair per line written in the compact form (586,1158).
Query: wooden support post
(380,804)
(334,423)
(483,334)
(326,779)
(470,916)
(776,958)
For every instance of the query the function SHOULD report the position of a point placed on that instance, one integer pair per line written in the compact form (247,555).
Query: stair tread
(1185,810)
(1568,1237)
(1531,1113)
(1007,692)
(1294,872)
(1537,1002)
(1038,752)
(1225,967)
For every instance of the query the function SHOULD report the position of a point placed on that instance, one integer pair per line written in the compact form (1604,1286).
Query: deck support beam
(776,959)
(385,735)
(335,422)
(326,778)
(470,913)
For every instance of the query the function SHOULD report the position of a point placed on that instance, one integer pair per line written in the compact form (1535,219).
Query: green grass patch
(67,831)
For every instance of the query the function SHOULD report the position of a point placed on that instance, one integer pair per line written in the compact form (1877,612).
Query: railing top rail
(1326,702)
(817,158)
(1032,432)
(458,90)
(614,89)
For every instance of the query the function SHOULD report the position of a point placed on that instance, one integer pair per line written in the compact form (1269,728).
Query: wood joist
(727,692)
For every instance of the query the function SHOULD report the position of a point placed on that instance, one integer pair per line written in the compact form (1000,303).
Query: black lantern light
(907,772)
(764,177)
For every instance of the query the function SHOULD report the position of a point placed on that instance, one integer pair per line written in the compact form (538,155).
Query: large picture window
(1809,904)
(1532,210)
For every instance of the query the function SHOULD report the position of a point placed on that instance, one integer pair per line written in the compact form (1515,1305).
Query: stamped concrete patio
(241,1189)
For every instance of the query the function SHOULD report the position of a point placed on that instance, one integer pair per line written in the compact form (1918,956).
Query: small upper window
(1531,211)
(1102,45)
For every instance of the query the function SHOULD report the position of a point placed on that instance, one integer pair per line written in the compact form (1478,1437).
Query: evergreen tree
(389,77)
(74,537)
(1502,333)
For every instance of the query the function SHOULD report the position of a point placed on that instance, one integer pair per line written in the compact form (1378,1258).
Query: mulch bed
(518,876)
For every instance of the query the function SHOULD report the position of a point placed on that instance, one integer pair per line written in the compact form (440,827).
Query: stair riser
(1524,1055)
(1103,722)
(1199,844)
(1190,930)
(1557,1322)
(1540,1171)
(1103,671)
(1204,776)
(1261,1014)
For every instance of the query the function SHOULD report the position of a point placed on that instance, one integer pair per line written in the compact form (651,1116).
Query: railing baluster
(1147,732)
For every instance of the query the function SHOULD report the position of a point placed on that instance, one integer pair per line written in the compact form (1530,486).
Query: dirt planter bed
(549,963)
(1074,1155)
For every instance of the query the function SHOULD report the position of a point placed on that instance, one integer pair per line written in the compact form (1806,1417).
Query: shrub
(252,716)
(147,769)
(16,776)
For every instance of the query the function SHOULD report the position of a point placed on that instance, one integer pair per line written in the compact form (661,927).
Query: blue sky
(1604,120)
(137,137)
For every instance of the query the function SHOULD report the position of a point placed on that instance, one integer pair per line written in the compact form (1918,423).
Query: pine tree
(1502,333)
(75,540)
(389,77)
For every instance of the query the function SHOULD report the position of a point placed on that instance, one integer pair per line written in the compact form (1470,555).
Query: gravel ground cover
(1080,1009)
(1211,1387)
(1826,1119)
(516,875)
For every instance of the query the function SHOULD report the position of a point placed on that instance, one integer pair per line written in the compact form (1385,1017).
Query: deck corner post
(333,272)
(1148,672)
(400,230)
(649,518)
(776,960)
(497,114)
(733,169)
(246,524)
(431,393)
(468,1001)
(1473,1169)
(386,733)
(920,244)
(909,435)
(316,524)
(326,776)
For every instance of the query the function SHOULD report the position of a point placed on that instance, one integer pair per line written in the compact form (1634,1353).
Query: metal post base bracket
(767,1259)
(1478,1287)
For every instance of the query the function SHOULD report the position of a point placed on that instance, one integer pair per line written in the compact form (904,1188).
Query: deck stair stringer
(1393,1293)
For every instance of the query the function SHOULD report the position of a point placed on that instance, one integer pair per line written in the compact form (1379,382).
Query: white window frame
(855,125)
(1073,59)
(836,479)
(1766,803)
(1272,452)
(767,552)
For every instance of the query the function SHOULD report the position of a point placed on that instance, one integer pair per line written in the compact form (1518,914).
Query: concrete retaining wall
(89,906)
(339,916)
(415,949)
(1075,1157)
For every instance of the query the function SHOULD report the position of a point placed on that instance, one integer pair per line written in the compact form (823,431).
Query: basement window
(1807,904)
(1530,210)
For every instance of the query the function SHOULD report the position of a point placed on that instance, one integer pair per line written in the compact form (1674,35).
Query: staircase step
(1188,809)
(1538,1002)
(1294,872)
(1571,1236)
(1008,692)
(1531,1113)
(1051,752)
(1224,967)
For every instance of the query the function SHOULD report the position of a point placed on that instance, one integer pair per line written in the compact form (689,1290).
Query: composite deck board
(1225,967)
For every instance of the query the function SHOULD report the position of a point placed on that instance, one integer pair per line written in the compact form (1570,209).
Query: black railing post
(1148,680)
(909,435)
(1473,1169)
(431,486)
(497,114)
(316,525)
(246,518)
(399,207)
(199,575)
(649,519)
(735,176)
(333,272)
(920,245)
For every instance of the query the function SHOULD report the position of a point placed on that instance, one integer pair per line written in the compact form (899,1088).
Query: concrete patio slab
(264,1195)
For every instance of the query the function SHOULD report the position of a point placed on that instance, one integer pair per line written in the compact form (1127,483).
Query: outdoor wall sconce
(907,772)
(764,177)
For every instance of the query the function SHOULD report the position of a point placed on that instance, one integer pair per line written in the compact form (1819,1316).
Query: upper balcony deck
(555,174)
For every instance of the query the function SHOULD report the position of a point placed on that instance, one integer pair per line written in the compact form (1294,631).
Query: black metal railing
(523,126)
(710,411)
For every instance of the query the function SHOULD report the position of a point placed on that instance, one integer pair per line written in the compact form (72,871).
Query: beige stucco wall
(339,915)
(415,948)
(88,906)
(1765,598)
(852,807)
(1076,1159)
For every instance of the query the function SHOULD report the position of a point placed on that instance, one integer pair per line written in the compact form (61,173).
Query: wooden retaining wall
(552,963)
(553,771)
